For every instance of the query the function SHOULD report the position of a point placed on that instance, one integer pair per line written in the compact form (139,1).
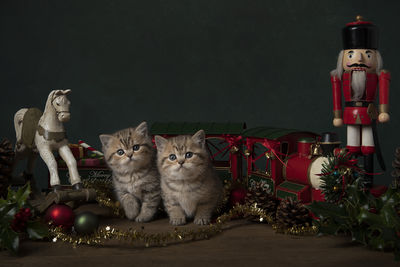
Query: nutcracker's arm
(384,82)
(337,95)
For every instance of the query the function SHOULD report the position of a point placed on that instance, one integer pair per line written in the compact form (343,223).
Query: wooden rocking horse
(44,133)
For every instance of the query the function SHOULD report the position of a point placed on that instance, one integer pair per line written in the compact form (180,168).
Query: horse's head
(61,104)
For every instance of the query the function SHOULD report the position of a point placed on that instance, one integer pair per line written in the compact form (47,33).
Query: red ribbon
(231,140)
(267,145)
(343,186)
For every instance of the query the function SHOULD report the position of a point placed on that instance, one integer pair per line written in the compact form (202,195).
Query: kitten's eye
(188,155)
(120,152)
(172,157)
(136,147)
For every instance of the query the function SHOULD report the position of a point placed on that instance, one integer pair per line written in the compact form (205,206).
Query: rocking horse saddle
(29,126)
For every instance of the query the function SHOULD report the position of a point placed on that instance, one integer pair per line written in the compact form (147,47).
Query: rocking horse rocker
(44,133)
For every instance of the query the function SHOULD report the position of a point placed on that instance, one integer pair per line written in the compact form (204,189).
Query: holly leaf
(8,211)
(377,243)
(358,235)
(3,202)
(369,218)
(9,240)
(37,230)
(326,209)
(356,196)
(329,228)
(390,217)
(388,234)
(22,194)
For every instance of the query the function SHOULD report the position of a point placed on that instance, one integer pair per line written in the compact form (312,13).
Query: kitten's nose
(181,162)
(129,155)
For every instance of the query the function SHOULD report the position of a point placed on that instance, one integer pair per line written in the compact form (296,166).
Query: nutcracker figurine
(358,71)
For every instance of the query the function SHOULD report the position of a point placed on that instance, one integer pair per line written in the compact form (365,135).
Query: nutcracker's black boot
(369,168)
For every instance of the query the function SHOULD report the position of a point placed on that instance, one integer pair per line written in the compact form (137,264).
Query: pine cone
(291,212)
(264,200)
(6,162)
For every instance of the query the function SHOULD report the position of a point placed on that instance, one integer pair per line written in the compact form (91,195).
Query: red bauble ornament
(238,196)
(60,215)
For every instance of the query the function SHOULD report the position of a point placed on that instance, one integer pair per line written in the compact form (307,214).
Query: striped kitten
(190,186)
(130,155)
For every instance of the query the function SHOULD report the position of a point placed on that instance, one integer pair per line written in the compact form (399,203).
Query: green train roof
(269,132)
(175,128)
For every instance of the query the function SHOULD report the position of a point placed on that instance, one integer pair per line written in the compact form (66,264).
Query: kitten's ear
(142,129)
(199,138)
(160,142)
(105,139)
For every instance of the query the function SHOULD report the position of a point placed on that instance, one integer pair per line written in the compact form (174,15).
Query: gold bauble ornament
(335,188)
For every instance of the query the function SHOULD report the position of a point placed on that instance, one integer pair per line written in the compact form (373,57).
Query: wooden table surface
(242,244)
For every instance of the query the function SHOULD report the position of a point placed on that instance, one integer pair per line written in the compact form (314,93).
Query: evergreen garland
(337,173)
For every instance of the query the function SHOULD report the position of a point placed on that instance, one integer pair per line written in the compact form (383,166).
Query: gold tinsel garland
(103,190)
(164,239)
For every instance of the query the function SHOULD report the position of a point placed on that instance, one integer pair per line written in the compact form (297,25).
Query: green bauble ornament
(86,223)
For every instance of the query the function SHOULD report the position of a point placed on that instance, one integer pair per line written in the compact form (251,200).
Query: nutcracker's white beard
(339,65)
(358,84)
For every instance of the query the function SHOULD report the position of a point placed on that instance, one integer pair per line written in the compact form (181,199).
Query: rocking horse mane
(57,133)
(53,94)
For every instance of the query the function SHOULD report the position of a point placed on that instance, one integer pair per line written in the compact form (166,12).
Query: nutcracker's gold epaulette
(383,108)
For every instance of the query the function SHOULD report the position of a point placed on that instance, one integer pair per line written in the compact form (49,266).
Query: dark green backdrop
(261,62)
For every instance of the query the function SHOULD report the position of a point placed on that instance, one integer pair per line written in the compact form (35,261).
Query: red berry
(18,226)
(373,210)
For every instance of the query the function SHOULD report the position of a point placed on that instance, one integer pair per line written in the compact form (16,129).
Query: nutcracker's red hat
(360,35)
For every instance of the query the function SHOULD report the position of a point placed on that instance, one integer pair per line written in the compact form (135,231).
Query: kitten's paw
(177,221)
(131,215)
(143,218)
(202,221)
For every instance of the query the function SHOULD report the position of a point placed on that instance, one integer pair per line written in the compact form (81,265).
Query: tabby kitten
(190,186)
(130,155)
